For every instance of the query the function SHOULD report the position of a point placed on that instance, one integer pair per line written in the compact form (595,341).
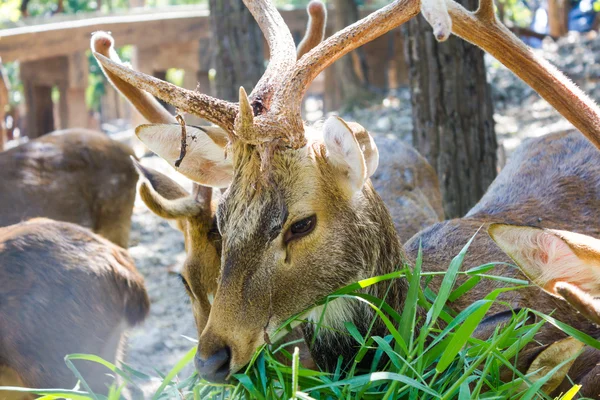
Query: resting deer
(63,290)
(567,266)
(546,179)
(75,175)
(300,218)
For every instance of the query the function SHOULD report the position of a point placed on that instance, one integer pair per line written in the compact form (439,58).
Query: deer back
(549,182)
(75,175)
(64,290)
(409,187)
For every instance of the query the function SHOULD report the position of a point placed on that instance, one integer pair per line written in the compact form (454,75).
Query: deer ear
(353,154)
(165,197)
(551,357)
(551,257)
(204,161)
(367,147)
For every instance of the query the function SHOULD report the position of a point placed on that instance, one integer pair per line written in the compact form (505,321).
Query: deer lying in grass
(567,266)
(299,218)
(75,175)
(546,179)
(63,290)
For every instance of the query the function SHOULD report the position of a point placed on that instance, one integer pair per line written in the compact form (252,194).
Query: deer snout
(215,367)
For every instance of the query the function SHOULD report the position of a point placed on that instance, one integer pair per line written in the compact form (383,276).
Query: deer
(58,176)
(545,179)
(64,290)
(299,217)
(565,265)
(73,175)
(408,185)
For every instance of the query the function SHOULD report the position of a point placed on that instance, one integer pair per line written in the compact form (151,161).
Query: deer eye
(185,284)
(213,232)
(300,228)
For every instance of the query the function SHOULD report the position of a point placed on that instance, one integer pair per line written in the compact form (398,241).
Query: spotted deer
(63,290)
(300,218)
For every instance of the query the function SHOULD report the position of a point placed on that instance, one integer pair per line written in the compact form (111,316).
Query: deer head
(299,218)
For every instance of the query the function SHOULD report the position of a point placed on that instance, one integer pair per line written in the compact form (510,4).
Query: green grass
(440,361)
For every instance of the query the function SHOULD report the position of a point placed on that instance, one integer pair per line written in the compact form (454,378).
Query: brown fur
(408,186)
(550,182)
(75,175)
(354,239)
(407,183)
(64,290)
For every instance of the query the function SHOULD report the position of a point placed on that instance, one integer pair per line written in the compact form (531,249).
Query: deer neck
(381,254)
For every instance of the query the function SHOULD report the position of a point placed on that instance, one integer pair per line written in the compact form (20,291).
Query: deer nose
(215,368)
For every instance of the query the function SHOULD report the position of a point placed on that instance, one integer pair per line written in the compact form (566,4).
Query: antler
(288,98)
(480,28)
(151,110)
(281,89)
(217,111)
(484,30)
(281,48)
(315,31)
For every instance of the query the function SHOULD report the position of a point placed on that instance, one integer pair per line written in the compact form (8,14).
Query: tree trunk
(23,8)
(237,48)
(452,113)
(40,109)
(351,86)
(558,11)
(4,101)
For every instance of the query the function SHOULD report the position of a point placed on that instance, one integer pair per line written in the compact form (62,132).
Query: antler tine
(245,118)
(220,112)
(290,94)
(281,47)
(146,104)
(315,31)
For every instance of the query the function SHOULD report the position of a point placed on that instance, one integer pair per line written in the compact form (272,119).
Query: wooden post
(39,77)
(558,11)
(332,98)
(76,112)
(399,59)
(40,109)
